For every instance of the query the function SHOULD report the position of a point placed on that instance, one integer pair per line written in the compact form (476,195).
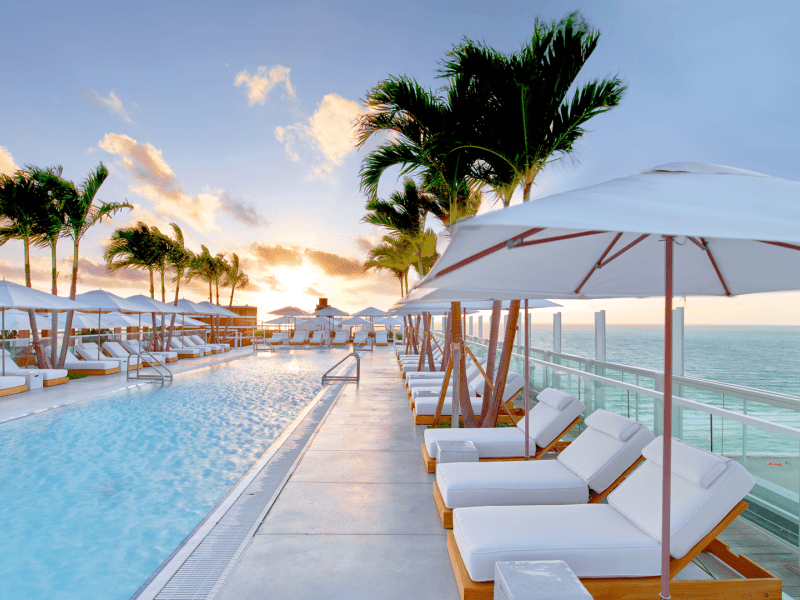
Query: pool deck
(356,520)
(77,390)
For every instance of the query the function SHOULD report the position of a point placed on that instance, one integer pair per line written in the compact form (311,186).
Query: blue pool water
(95,496)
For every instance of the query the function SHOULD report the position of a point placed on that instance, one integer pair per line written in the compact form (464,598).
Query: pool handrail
(328,378)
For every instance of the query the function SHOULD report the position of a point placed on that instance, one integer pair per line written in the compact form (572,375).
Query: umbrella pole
(666,488)
(98,333)
(527,385)
(4,342)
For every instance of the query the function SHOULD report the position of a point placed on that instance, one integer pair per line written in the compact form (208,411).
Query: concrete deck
(356,520)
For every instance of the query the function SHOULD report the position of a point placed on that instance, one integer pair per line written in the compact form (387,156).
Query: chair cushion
(616,426)
(690,462)
(599,458)
(491,442)
(553,397)
(593,539)
(695,510)
(509,483)
(547,422)
(426,405)
(8,381)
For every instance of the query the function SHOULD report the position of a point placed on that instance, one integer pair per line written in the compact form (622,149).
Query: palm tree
(81,214)
(179,257)
(22,202)
(204,267)
(222,269)
(529,119)
(160,247)
(392,254)
(431,133)
(236,278)
(133,247)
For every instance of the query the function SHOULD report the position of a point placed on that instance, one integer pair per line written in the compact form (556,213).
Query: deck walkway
(356,520)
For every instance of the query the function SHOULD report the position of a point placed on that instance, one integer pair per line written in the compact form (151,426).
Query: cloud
(328,133)
(262,82)
(156,181)
(272,283)
(313,292)
(335,265)
(7,164)
(366,242)
(240,211)
(277,255)
(112,104)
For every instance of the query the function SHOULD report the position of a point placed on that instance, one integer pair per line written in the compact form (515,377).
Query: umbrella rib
(781,244)
(488,251)
(558,238)
(624,250)
(598,263)
(716,268)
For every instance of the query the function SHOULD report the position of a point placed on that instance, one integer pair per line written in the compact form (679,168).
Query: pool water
(94,497)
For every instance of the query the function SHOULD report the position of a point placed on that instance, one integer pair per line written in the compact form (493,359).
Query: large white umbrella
(220,311)
(102,300)
(679,229)
(146,304)
(371,312)
(354,321)
(330,312)
(291,311)
(20,320)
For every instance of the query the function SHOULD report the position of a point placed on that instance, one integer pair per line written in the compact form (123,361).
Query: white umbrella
(102,300)
(354,321)
(714,230)
(20,320)
(371,312)
(146,304)
(291,311)
(330,312)
(220,311)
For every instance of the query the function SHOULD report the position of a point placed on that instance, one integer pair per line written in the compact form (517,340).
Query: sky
(235,121)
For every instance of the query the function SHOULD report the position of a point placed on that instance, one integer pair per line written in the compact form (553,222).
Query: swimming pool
(94,496)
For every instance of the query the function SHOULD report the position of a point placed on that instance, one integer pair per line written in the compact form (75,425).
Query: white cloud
(262,82)
(112,104)
(329,132)
(7,164)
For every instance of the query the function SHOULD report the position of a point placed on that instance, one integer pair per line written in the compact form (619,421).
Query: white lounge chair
(317,338)
(134,347)
(340,339)
(90,367)
(554,415)
(279,338)
(224,346)
(381,338)
(299,338)
(89,351)
(188,342)
(425,406)
(183,352)
(10,384)
(615,548)
(360,337)
(426,387)
(50,377)
(585,472)
(116,350)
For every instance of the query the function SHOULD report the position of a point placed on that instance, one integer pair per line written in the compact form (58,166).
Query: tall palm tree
(160,247)
(204,267)
(236,278)
(22,200)
(81,214)
(394,255)
(530,118)
(179,258)
(222,269)
(132,247)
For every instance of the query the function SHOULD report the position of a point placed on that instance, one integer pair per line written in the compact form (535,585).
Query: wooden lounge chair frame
(555,446)
(15,390)
(446,514)
(83,372)
(757,582)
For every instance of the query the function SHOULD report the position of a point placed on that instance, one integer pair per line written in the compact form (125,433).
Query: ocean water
(95,496)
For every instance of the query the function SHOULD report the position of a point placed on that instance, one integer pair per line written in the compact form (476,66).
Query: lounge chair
(410,364)
(89,351)
(615,548)
(586,471)
(224,346)
(183,352)
(50,377)
(91,367)
(340,339)
(278,338)
(317,338)
(425,406)
(115,350)
(188,342)
(299,338)
(12,384)
(134,347)
(422,386)
(555,414)
(360,337)
(381,338)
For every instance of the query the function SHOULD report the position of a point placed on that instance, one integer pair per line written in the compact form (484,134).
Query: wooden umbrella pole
(666,476)
(486,378)
(502,367)
(428,347)
(461,395)
(494,332)
(421,355)
(443,392)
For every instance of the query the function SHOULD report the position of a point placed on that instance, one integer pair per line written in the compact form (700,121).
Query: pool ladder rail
(162,372)
(326,378)
(259,341)
(365,346)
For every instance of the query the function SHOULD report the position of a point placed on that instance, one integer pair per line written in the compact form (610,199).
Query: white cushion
(599,458)
(616,426)
(553,397)
(695,510)
(547,422)
(426,405)
(491,442)
(509,483)
(8,381)
(690,462)
(593,539)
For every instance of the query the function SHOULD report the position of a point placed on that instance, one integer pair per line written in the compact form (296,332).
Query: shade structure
(330,311)
(20,320)
(354,322)
(467,304)
(13,295)
(187,307)
(82,320)
(181,321)
(218,311)
(117,319)
(390,321)
(146,304)
(370,312)
(677,229)
(103,300)
(280,321)
(290,311)
(316,321)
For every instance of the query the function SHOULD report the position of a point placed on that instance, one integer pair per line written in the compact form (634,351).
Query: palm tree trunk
(54,314)
(216,285)
(502,367)
(210,291)
(494,332)
(163,287)
(41,359)
(73,289)
(172,321)
(152,285)
(230,306)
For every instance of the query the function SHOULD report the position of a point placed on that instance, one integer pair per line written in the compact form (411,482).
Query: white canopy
(719,215)
(103,300)
(13,295)
(370,312)
(353,322)
(148,305)
(330,311)
(290,311)
(280,321)
(216,310)
(20,320)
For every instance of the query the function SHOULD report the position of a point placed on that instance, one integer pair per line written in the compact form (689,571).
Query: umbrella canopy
(390,321)
(181,321)
(677,229)
(330,311)
(13,295)
(370,312)
(192,308)
(216,310)
(111,320)
(82,320)
(148,305)
(354,322)
(417,306)
(19,320)
(280,321)
(103,300)
(290,311)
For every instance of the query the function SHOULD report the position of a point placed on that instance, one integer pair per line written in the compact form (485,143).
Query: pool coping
(157,582)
